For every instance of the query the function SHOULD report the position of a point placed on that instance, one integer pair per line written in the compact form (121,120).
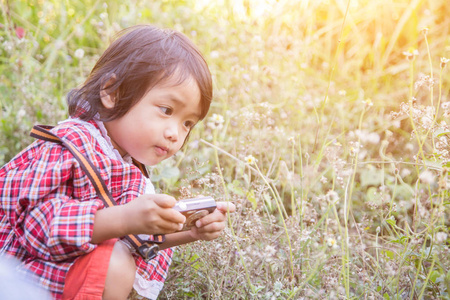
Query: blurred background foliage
(307,89)
(279,52)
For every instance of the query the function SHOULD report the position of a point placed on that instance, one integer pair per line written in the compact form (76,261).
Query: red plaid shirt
(48,206)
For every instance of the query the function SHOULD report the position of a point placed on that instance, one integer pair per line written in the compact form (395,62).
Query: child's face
(155,128)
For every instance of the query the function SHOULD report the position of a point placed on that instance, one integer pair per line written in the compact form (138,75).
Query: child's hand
(152,214)
(211,226)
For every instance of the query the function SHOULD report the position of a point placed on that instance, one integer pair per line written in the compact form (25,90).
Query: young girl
(139,104)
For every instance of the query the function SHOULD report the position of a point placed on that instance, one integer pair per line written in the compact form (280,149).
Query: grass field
(329,130)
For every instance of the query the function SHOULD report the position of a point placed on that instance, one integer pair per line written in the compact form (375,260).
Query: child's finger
(169,227)
(225,207)
(164,201)
(212,227)
(171,215)
(209,232)
(215,216)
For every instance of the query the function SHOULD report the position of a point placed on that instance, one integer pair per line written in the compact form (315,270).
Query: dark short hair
(138,59)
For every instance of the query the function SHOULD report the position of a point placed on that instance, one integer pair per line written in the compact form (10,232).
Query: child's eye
(166,110)
(189,124)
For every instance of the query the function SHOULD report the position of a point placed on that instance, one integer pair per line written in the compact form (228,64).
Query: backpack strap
(146,249)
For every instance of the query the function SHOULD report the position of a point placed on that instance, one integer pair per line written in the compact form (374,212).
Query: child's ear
(108,99)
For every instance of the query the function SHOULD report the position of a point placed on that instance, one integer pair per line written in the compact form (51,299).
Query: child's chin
(154,161)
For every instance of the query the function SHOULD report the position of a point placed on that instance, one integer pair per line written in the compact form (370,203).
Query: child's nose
(171,132)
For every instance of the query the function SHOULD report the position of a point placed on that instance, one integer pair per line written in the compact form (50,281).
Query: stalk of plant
(376,246)
(301,182)
(418,268)
(330,77)
(421,141)
(347,205)
(267,205)
(230,224)
(278,201)
(425,32)
(437,107)
(427,278)
(383,156)
(291,181)
(411,85)
(344,258)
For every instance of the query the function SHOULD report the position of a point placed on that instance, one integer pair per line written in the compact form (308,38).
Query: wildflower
(373,138)
(217,118)
(215,121)
(441,237)
(378,229)
(21,113)
(291,140)
(445,105)
(214,54)
(409,147)
(270,250)
(331,242)
(79,53)
(405,172)
(278,285)
(103,15)
(426,122)
(20,32)
(426,177)
(250,160)
(354,150)
(411,54)
(368,102)
(323,179)
(424,80)
(444,62)
(443,182)
(332,196)
(425,30)
(342,92)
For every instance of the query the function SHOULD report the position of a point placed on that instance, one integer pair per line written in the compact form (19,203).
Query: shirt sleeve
(53,212)
(60,228)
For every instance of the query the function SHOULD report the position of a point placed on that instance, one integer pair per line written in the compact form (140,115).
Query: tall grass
(330,136)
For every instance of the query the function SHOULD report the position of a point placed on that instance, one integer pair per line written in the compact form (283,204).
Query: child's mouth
(161,150)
